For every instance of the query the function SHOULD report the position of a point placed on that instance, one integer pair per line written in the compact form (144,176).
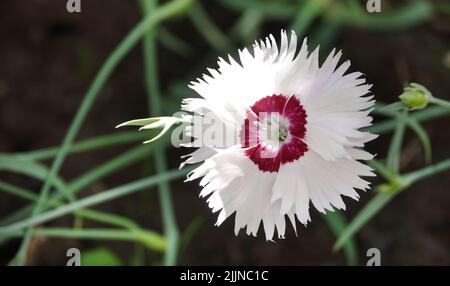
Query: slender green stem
(35,170)
(422,115)
(17,191)
(324,34)
(307,13)
(120,162)
(154,107)
(173,42)
(208,29)
(90,214)
(369,211)
(414,125)
(386,194)
(188,233)
(384,171)
(440,102)
(166,11)
(98,216)
(247,27)
(393,157)
(150,239)
(111,166)
(17,215)
(427,171)
(82,213)
(94,200)
(424,139)
(108,140)
(32,169)
(91,176)
(108,218)
(336,222)
(94,143)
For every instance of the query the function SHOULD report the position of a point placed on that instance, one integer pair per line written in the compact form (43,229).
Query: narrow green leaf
(94,200)
(32,169)
(152,240)
(17,191)
(174,43)
(424,139)
(414,124)
(98,142)
(427,171)
(394,152)
(336,222)
(393,107)
(307,13)
(98,216)
(370,210)
(115,164)
(111,166)
(154,108)
(385,195)
(441,102)
(247,27)
(164,12)
(208,29)
(189,233)
(382,170)
(421,116)
(140,122)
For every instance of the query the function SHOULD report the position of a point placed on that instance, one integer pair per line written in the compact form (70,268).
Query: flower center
(273,132)
(282,135)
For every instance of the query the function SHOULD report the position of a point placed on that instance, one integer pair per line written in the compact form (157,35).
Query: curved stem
(150,239)
(427,171)
(90,214)
(154,107)
(383,197)
(393,157)
(166,11)
(94,200)
(208,29)
(94,143)
(441,102)
(381,169)
(422,115)
(414,125)
(76,185)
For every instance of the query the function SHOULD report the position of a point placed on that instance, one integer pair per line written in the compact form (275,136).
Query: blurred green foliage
(322,20)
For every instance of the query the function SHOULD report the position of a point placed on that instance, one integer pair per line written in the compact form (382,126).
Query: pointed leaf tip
(139,122)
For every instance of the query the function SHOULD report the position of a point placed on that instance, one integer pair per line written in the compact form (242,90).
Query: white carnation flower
(313,154)
(275,133)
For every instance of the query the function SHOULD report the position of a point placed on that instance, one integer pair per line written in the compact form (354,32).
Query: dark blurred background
(48,58)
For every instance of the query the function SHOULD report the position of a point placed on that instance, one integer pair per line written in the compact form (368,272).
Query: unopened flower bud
(415,96)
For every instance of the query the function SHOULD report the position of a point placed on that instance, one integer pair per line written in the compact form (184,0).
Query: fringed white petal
(199,155)
(321,181)
(234,185)
(337,107)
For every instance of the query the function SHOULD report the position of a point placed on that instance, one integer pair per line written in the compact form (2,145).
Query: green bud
(415,96)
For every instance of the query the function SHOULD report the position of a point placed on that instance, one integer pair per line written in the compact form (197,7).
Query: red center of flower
(273,132)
